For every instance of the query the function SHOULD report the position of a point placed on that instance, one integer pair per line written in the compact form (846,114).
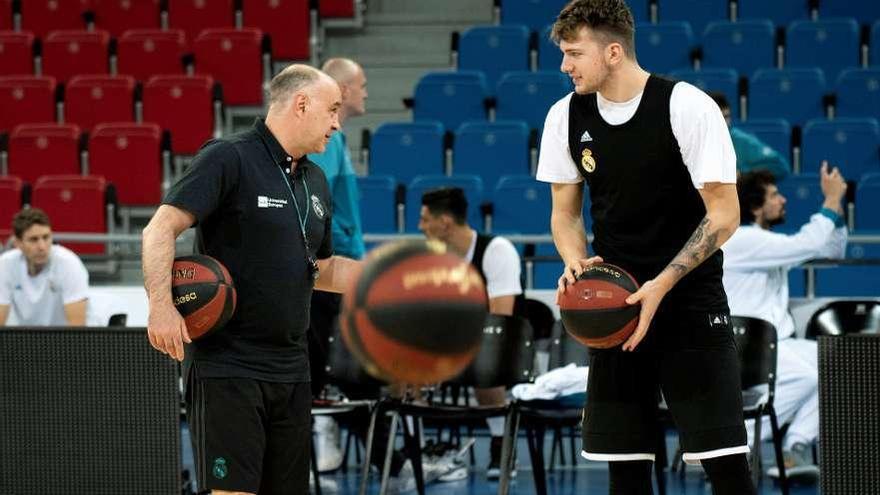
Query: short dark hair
(610,19)
(751,187)
(447,200)
(720,99)
(27,218)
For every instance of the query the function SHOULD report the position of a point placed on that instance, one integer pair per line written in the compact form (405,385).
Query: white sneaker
(327,444)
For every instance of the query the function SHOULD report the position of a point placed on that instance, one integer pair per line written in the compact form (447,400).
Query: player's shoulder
(689,97)
(64,255)
(9,257)
(561,106)
(501,245)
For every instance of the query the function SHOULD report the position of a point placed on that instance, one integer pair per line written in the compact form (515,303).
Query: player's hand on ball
(572,271)
(649,295)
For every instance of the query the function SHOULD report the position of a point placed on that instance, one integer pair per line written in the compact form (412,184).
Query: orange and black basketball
(415,314)
(594,309)
(203,293)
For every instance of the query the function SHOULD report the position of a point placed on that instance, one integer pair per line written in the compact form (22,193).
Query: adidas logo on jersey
(585,137)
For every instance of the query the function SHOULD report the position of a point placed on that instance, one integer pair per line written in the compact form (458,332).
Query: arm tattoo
(701,245)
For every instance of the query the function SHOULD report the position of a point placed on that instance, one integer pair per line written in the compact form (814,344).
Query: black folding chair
(845,316)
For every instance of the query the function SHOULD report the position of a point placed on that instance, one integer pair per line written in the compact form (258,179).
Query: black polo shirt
(246,218)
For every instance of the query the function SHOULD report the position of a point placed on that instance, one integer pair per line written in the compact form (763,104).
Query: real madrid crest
(317,206)
(587,160)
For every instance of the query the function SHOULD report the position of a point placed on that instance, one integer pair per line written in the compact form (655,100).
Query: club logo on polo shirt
(220,469)
(317,206)
(267,202)
(587,160)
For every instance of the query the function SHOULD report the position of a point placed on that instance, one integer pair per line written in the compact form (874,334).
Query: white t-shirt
(501,266)
(40,300)
(697,123)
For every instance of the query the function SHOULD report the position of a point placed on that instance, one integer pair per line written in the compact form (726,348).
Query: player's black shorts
(690,356)
(250,435)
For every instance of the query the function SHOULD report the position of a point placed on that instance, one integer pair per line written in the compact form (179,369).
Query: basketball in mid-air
(594,309)
(415,314)
(203,293)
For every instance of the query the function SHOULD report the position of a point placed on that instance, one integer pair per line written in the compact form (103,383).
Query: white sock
(496,426)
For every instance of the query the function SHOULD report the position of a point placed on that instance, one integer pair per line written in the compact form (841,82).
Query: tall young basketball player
(660,168)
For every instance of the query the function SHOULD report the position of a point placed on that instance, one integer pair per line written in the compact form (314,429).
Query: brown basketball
(203,293)
(594,309)
(415,315)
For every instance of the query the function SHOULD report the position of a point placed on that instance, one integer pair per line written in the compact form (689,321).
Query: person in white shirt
(443,217)
(41,284)
(756,264)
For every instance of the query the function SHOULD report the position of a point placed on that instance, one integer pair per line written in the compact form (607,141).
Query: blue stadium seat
(830,44)
(848,281)
(491,150)
(780,12)
(862,250)
(791,94)
(473,191)
(803,197)
(797,284)
(533,13)
(850,144)
(864,12)
(380,193)
(549,55)
(529,95)
(776,133)
(722,80)
(546,273)
(521,205)
(868,206)
(407,149)
(698,12)
(858,92)
(494,50)
(875,44)
(746,46)
(665,46)
(451,97)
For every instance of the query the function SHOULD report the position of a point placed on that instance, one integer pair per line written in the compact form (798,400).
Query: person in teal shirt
(751,152)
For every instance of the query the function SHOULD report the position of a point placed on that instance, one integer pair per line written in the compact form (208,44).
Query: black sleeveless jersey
(644,205)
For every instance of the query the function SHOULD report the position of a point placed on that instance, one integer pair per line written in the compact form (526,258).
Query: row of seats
(804,198)
(188,107)
(538,13)
(240,59)
(746,46)
(134,157)
(288,22)
(74,203)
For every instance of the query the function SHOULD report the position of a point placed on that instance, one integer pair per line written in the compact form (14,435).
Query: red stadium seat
(75,203)
(195,15)
(26,99)
(233,57)
(285,21)
(10,203)
(143,53)
(336,8)
(184,105)
(42,16)
(42,149)
(67,53)
(16,52)
(90,100)
(117,16)
(129,156)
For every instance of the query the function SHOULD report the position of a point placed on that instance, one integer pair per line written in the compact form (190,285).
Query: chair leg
(537,456)
(389,450)
(412,443)
(777,446)
(365,467)
(571,441)
(553,443)
(315,474)
(756,462)
(508,450)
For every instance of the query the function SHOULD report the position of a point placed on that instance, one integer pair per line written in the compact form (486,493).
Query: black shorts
(690,356)
(250,435)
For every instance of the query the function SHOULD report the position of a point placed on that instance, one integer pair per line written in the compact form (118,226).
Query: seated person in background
(444,218)
(751,152)
(756,264)
(41,284)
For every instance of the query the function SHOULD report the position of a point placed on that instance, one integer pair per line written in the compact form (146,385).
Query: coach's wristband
(833,216)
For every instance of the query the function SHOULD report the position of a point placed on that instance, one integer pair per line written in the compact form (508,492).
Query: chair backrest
(491,149)
(540,316)
(195,15)
(129,155)
(380,192)
(743,45)
(10,204)
(549,55)
(184,105)
(776,133)
(144,53)
(850,143)
(830,44)
(804,198)
(494,50)
(564,349)
(16,52)
(529,95)
(75,203)
(780,12)
(68,53)
(287,23)
(44,149)
(791,94)
(868,206)
(864,12)
(506,354)
(521,205)
(42,16)
(117,16)
(665,46)
(451,97)
(756,346)
(407,149)
(90,100)
(234,58)
(26,99)
(858,92)
(698,13)
(843,317)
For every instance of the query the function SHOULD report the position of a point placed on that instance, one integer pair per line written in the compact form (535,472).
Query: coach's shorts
(692,358)
(250,435)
